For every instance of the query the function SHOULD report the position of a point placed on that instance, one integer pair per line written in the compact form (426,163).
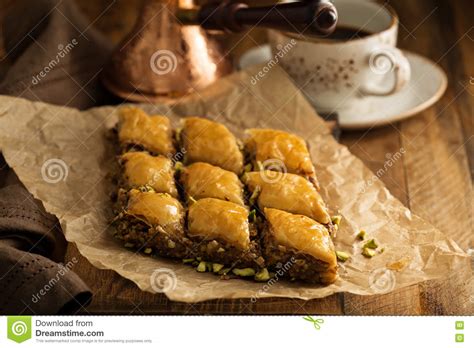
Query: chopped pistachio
(361,235)
(382,250)
(262,276)
(368,252)
(255,195)
(342,256)
(199,258)
(171,244)
(224,271)
(252,215)
(209,266)
(177,134)
(178,166)
(216,267)
(147,250)
(129,245)
(336,219)
(201,267)
(248,168)
(146,188)
(186,261)
(371,244)
(244,272)
(220,250)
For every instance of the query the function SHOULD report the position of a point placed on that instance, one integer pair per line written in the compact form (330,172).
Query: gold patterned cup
(337,73)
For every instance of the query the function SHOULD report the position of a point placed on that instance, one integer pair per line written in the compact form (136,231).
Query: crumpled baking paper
(66,158)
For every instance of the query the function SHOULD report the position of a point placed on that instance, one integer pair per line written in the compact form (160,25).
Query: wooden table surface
(434,179)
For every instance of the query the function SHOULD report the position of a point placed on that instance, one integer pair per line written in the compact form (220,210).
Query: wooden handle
(311,17)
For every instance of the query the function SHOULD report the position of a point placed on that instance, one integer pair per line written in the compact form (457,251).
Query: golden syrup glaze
(302,234)
(153,133)
(289,192)
(211,142)
(140,169)
(212,218)
(156,209)
(202,180)
(276,145)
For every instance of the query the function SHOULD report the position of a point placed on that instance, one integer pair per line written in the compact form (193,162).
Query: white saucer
(427,84)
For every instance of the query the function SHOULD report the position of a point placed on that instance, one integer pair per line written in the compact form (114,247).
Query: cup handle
(384,60)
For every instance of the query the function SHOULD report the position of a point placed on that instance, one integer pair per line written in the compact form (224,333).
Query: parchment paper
(65,158)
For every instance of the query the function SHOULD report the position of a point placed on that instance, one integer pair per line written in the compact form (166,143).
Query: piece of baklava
(288,192)
(211,142)
(279,151)
(137,131)
(153,223)
(298,247)
(222,233)
(202,180)
(141,170)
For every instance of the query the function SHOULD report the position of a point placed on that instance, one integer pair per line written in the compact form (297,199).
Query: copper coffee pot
(169,53)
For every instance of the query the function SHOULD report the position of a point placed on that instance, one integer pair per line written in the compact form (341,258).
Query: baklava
(222,233)
(138,131)
(281,151)
(202,180)
(211,142)
(213,212)
(288,192)
(299,247)
(140,169)
(153,223)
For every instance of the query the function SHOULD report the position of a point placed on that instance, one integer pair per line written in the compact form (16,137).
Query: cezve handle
(310,17)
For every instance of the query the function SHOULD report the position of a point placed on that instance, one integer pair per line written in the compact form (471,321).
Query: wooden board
(434,177)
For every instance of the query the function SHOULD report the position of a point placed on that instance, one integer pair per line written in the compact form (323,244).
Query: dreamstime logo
(63,51)
(163,280)
(382,280)
(19,328)
(391,160)
(163,62)
(282,51)
(274,169)
(54,170)
(281,270)
(157,175)
(61,272)
(381,62)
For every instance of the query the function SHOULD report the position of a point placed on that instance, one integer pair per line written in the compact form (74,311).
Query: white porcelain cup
(336,73)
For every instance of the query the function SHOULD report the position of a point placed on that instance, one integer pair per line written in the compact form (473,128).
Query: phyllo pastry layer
(211,142)
(153,221)
(270,148)
(223,233)
(303,245)
(142,169)
(202,180)
(139,131)
(288,192)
